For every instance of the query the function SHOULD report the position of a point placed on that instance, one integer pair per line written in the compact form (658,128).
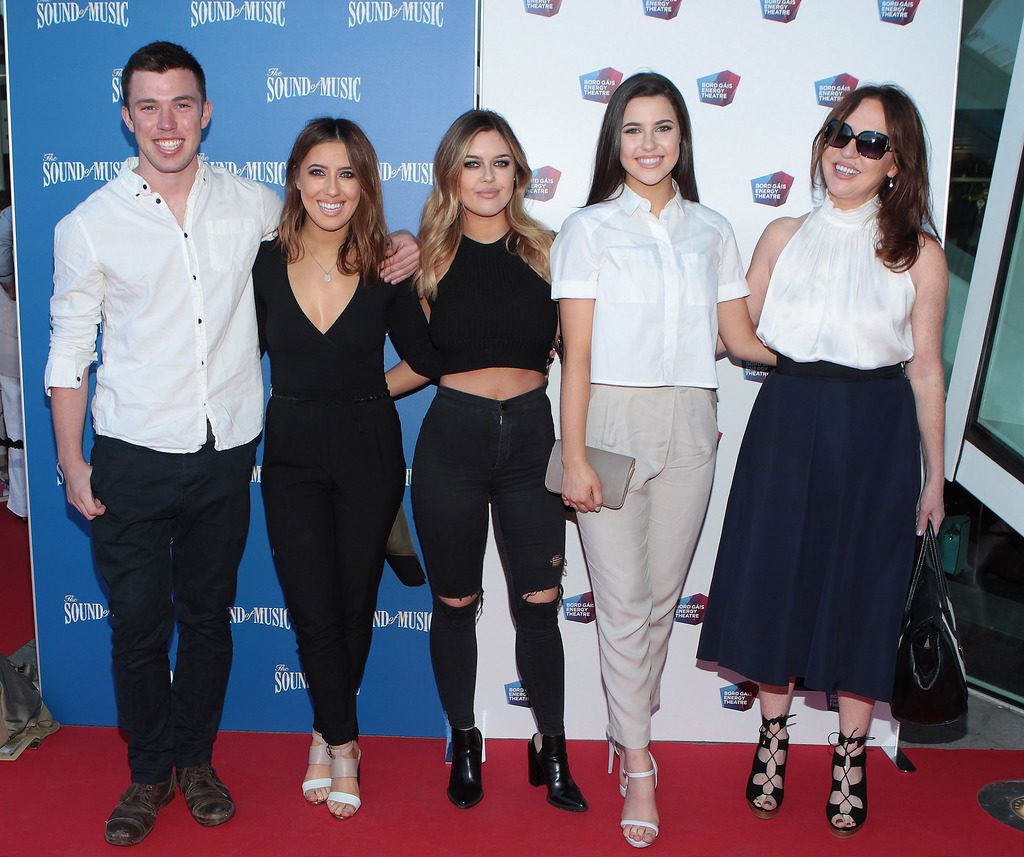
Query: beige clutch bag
(613,469)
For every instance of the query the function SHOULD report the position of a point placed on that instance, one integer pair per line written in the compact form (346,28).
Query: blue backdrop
(403,71)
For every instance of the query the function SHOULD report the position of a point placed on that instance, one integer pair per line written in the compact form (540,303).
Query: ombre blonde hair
(441,223)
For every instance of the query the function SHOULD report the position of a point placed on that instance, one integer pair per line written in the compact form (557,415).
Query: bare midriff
(496,382)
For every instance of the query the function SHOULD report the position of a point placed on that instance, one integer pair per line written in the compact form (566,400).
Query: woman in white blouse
(818,538)
(646,279)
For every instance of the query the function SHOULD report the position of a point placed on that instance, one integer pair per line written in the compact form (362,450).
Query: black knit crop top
(492,309)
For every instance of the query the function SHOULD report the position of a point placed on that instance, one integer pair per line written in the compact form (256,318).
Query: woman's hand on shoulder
(581,487)
(403,257)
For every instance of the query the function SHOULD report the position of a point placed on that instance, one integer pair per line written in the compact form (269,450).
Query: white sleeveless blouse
(831,298)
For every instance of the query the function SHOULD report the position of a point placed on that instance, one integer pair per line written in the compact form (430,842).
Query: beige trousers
(638,556)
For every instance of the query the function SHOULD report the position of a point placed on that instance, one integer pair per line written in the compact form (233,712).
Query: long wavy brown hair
(609,174)
(365,246)
(441,223)
(905,214)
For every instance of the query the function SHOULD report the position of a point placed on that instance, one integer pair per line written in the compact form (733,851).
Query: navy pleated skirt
(818,540)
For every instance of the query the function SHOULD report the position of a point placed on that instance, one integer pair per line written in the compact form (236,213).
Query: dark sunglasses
(870,144)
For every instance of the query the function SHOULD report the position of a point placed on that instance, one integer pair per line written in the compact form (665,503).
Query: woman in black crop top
(485,441)
(333,468)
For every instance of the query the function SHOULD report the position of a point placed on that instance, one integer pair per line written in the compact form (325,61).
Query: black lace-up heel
(848,800)
(768,771)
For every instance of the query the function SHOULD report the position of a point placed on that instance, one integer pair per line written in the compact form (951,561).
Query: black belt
(329,397)
(834,371)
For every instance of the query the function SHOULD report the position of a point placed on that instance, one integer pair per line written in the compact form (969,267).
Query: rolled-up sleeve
(732,283)
(76,306)
(574,264)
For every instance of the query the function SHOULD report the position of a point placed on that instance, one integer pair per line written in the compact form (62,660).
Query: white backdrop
(766,71)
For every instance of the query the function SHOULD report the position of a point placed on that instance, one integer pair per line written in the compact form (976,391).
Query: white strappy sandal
(317,756)
(342,766)
(636,822)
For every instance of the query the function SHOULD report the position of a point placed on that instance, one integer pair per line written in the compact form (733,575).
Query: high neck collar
(859,216)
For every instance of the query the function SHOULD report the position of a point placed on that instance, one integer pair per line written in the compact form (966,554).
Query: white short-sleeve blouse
(656,283)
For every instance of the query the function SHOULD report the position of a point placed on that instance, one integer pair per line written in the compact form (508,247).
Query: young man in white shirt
(162,255)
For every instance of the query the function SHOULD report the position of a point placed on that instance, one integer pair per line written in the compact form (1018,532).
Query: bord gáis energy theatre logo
(718,89)
(899,12)
(515,694)
(772,189)
(544,8)
(830,90)
(543,184)
(666,10)
(579,608)
(690,609)
(599,85)
(739,697)
(783,11)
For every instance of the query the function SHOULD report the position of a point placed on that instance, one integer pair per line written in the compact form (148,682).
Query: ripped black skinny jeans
(476,455)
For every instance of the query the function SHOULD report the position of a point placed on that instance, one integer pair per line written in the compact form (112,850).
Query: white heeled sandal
(342,766)
(636,822)
(317,756)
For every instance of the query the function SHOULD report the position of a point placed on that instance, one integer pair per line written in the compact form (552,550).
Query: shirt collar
(138,185)
(629,200)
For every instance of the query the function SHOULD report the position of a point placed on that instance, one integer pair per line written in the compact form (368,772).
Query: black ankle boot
(465,787)
(550,767)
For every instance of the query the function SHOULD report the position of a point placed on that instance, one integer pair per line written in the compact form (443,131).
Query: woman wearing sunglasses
(818,540)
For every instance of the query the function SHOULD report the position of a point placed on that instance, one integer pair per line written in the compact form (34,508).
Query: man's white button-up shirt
(179,345)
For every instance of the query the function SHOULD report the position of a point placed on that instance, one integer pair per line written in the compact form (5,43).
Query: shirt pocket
(230,242)
(700,282)
(631,275)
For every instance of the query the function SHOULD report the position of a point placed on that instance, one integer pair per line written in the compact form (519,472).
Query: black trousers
(333,476)
(474,456)
(168,548)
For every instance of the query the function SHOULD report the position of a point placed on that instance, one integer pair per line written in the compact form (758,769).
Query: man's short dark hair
(161,57)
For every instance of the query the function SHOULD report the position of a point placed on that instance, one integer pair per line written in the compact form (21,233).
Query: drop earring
(892,182)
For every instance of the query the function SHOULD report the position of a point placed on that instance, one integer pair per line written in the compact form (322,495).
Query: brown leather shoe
(135,814)
(207,797)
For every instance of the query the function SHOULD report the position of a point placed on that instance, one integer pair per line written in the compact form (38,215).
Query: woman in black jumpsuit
(333,469)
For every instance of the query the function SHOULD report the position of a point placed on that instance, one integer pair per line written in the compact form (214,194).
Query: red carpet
(56,799)
(16,622)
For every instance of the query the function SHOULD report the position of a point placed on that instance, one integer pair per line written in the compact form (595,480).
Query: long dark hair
(608,171)
(906,211)
(363,249)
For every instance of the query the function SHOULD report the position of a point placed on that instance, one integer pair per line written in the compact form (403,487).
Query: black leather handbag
(930,686)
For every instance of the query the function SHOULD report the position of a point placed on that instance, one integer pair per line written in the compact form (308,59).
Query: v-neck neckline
(295,300)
